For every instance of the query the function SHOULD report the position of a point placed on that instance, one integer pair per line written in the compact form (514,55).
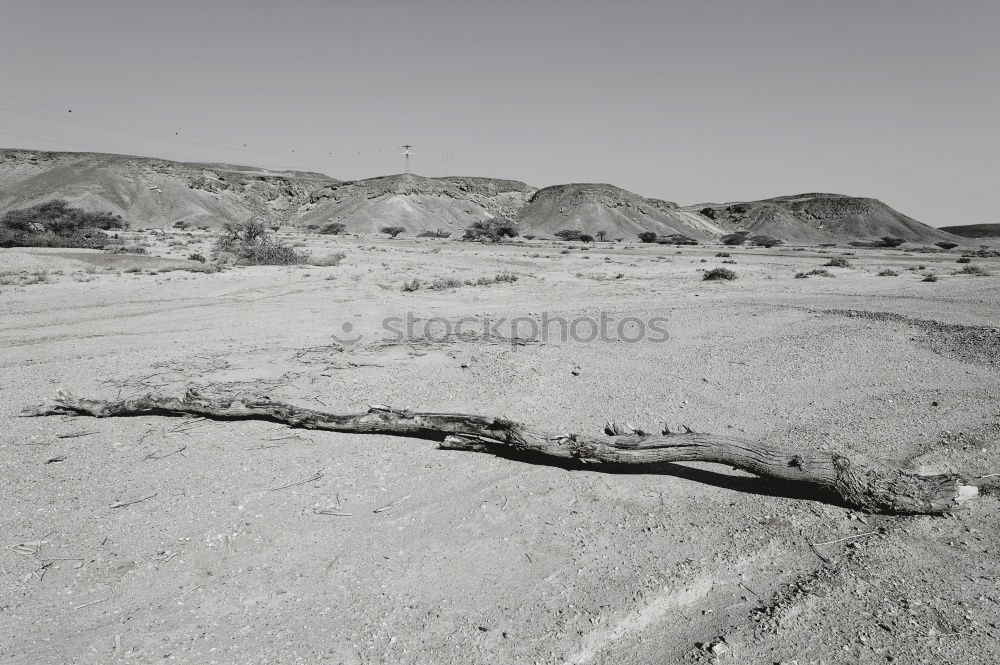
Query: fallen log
(869,486)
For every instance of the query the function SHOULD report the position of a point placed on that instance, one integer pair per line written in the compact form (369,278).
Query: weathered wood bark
(873,487)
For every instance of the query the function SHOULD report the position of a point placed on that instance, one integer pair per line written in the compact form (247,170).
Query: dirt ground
(158,539)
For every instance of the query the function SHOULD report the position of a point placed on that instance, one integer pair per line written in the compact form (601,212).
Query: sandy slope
(152,192)
(482,559)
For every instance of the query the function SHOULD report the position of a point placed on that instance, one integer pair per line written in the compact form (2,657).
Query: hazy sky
(694,101)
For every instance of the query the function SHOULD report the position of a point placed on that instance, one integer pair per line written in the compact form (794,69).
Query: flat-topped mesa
(818,217)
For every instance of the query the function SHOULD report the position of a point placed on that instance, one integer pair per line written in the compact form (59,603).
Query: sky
(689,101)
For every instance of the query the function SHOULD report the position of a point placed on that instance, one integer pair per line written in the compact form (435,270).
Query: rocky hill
(597,208)
(414,202)
(154,192)
(814,218)
(974,230)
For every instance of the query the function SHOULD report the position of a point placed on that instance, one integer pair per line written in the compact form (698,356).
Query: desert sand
(162,539)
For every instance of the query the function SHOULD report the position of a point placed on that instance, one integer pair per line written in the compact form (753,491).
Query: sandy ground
(457,557)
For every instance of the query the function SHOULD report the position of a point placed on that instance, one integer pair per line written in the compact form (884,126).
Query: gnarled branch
(872,486)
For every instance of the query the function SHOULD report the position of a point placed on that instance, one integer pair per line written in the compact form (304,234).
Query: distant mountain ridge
(153,192)
(974,230)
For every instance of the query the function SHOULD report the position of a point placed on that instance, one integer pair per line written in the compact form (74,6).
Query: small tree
(568,234)
(890,241)
(334,228)
(586,237)
(601,236)
(945,244)
(648,236)
(440,233)
(392,231)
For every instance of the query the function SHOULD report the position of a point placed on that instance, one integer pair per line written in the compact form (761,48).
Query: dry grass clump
(443,283)
(818,272)
(23,277)
(970,269)
(838,262)
(964,259)
(888,273)
(206,268)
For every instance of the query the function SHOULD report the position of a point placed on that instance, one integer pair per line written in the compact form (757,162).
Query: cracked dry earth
(158,539)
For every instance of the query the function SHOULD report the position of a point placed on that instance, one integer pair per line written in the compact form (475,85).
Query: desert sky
(686,101)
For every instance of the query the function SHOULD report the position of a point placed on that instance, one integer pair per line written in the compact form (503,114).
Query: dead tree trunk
(873,486)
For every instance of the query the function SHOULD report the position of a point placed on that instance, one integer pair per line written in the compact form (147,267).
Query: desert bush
(648,236)
(413,285)
(817,272)
(392,231)
(963,259)
(973,270)
(737,238)
(945,244)
(719,273)
(55,224)
(764,241)
(729,261)
(888,273)
(126,249)
(838,262)
(889,241)
(491,230)
(722,255)
(197,257)
(930,278)
(333,228)
(440,233)
(251,244)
